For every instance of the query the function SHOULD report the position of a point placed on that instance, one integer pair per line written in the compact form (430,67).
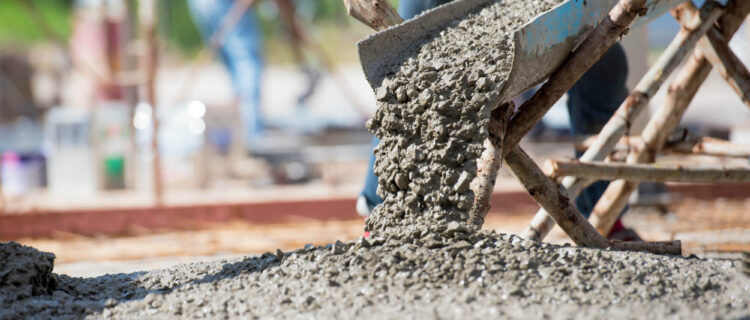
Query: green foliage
(327,18)
(177,26)
(18,26)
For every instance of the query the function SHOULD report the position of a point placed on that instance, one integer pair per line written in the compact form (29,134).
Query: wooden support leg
(680,93)
(716,50)
(633,105)
(564,212)
(643,172)
(685,145)
(489,164)
(711,147)
(549,196)
(378,14)
(147,10)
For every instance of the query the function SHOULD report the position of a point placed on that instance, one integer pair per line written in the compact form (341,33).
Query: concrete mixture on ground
(424,260)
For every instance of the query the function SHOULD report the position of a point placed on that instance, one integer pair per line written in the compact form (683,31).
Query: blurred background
(139,134)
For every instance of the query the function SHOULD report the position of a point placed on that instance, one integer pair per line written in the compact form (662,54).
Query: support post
(489,163)
(679,96)
(646,172)
(619,124)
(711,147)
(147,18)
(549,196)
(378,14)
(716,50)
(693,146)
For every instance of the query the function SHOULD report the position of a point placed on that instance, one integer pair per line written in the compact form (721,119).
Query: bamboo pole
(716,50)
(147,15)
(679,96)
(700,146)
(658,247)
(620,123)
(549,197)
(378,14)
(489,163)
(711,147)
(564,212)
(647,172)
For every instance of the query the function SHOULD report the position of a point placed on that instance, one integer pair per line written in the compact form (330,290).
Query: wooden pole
(147,15)
(700,146)
(679,96)
(564,212)
(711,147)
(645,172)
(489,163)
(547,194)
(620,123)
(658,247)
(716,50)
(378,14)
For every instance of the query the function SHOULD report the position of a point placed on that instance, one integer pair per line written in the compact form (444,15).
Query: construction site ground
(718,229)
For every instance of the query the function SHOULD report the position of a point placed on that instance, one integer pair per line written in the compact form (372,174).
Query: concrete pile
(24,272)
(423,260)
(453,274)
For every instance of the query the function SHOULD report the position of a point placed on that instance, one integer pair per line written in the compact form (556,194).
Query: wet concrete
(432,118)
(424,260)
(24,272)
(453,274)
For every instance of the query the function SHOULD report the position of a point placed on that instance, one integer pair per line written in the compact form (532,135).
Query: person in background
(591,102)
(241,51)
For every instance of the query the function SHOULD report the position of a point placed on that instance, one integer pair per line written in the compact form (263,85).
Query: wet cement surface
(424,260)
(453,274)
(24,272)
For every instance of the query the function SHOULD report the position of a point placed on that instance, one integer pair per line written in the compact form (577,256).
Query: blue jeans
(591,102)
(242,54)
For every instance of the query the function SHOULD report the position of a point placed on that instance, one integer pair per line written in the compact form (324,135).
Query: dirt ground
(709,229)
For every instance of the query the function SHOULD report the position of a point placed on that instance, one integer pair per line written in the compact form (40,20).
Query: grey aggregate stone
(422,261)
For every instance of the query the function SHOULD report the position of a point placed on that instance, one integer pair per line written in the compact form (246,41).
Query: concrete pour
(423,261)
(432,118)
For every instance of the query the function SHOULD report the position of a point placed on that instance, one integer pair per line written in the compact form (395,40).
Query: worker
(591,102)
(241,52)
